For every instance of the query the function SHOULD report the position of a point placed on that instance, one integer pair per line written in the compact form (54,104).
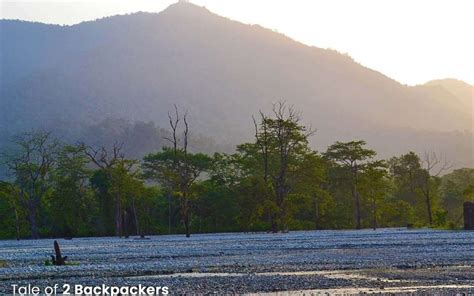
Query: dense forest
(274,183)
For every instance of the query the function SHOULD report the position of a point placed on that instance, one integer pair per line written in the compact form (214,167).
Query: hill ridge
(137,66)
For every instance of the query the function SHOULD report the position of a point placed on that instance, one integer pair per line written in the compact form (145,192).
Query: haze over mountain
(135,67)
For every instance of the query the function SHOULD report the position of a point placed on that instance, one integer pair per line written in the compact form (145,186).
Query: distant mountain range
(135,67)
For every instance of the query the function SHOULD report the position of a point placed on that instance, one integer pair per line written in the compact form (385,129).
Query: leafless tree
(102,157)
(262,139)
(434,165)
(186,176)
(290,133)
(106,159)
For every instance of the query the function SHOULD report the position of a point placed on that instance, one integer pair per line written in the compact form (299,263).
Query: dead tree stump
(469,215)
(58,259)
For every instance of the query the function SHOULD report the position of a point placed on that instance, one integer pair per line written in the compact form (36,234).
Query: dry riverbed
(297,263)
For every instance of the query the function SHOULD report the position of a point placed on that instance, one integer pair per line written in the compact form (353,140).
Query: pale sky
(412,41)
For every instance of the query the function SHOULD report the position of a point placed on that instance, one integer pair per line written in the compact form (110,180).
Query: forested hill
(137,66)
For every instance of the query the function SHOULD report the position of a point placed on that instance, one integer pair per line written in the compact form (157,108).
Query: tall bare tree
(177,168)
(434,165)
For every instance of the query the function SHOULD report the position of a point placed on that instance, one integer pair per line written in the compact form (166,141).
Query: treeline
(274,183)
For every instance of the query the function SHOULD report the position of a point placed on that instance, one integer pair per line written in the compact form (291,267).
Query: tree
(222,191)
(352,156)
(31,163)
(375,186)
(280,142)
(128,187)
(242,189)
(310,181)
(116,170)
(11,194)
(176,168)
(406,172)
(71,202)
(468,193)
(254,191)
(456,188)
(434,165)
(417,181)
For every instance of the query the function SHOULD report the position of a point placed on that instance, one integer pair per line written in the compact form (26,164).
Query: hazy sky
(412,41)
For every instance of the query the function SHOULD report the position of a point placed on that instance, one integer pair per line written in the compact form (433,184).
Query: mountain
(453,93)
(136,66)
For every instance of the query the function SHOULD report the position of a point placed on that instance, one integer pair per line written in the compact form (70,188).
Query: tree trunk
(186,226)
(118,217)
(468,208)
(17,224)
(273,223)
(358,214)
(316,213)
(280,197)
(428,202)
(185,212)
(33,224)
(215,223)
(169,213)
(125,224)
(374,211)
(137,227)
(283,219)
(200,224)
(356,198)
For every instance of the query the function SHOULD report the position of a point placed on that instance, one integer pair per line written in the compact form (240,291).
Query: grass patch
(449,226)
(71,263)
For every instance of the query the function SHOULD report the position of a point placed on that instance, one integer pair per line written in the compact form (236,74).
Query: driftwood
(58,259)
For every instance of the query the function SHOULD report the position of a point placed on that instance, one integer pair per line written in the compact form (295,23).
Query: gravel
(257,262)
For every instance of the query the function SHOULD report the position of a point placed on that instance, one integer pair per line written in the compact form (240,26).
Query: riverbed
(295,263)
